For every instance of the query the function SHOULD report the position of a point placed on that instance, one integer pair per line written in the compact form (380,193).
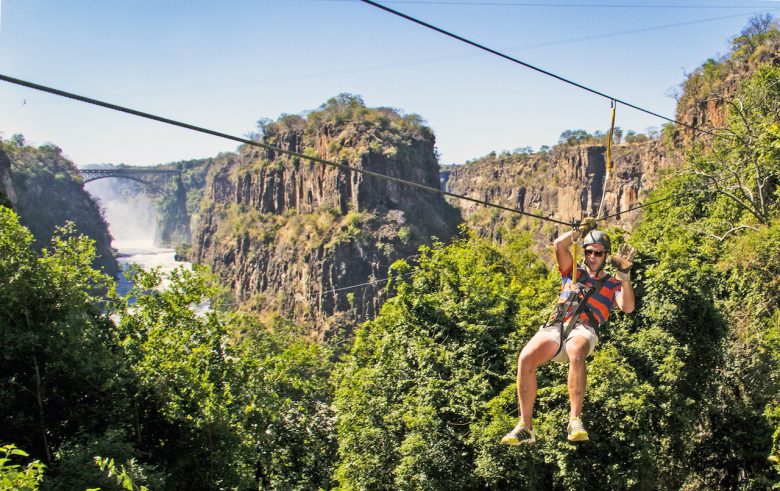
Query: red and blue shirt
(600,303)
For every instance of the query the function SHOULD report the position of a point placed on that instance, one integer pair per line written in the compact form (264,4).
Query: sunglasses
(594,252)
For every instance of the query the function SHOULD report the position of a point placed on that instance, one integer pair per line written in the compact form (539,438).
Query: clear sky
(226,64)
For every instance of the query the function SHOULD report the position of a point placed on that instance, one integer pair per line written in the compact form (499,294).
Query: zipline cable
(402,64)
(532,67)
(642,205)
(569,5)
(368,283)
(246,141)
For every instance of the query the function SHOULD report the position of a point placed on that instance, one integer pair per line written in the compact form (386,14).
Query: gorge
(314,372)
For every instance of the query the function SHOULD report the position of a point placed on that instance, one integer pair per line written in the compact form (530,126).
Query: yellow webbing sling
(608,162)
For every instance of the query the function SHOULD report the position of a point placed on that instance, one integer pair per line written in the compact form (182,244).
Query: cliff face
(289,236)
(48,191)
(173,221)
(705,92)
(7,192)
(565,183)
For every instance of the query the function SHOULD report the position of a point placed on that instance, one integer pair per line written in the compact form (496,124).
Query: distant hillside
(288,235)
(564,183)
(704,96)
(48,192)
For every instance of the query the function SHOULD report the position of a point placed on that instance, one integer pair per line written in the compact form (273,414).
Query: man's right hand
(587,225)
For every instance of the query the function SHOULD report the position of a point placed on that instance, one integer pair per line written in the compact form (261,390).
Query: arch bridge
(154,179)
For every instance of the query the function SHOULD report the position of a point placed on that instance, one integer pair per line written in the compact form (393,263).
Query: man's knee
(577,348)
(527,361)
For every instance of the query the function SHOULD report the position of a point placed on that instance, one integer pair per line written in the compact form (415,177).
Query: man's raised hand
(585,226)
(623,261)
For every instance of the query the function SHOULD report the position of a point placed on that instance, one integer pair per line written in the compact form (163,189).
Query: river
(146,255)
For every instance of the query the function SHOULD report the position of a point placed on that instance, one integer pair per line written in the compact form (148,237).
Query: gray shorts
(554,333)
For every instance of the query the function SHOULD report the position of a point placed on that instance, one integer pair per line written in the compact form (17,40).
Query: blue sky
(224,65)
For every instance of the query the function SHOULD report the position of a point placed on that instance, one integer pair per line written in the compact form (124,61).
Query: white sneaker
(577,432)
(519,435)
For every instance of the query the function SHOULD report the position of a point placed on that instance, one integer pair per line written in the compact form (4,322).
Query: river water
(131,217)
(146,255)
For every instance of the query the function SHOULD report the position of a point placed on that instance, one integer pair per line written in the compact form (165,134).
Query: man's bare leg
(577,348)
(540,349)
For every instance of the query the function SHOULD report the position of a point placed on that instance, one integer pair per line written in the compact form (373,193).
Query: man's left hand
(623,261)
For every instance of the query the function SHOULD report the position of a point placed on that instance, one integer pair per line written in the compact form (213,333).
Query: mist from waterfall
(132,215)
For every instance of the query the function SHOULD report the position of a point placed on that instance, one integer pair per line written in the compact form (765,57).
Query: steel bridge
(154,179)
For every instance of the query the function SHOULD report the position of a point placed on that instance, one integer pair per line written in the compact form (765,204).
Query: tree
(225,400)
(412,391)
(13,476)
(59,376)
(741,167)
(750,36)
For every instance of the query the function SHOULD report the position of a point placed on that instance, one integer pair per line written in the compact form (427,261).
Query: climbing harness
(582,307)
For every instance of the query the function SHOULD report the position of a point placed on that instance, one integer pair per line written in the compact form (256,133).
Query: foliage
(14,476)
(345,117)
(582,137)
(759,30)
(43,175)
(208,400)
(58,373)
(227,400)
(750,391)
(118,473)
(413,387)
(75,467)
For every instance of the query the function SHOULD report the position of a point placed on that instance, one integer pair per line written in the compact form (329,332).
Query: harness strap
(593,322)
(582,306)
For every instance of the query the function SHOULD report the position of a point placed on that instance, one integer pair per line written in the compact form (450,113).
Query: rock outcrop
(565,183)
(7,192)
(705,94)
(47,191)
(296,237)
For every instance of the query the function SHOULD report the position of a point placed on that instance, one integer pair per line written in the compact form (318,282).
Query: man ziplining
(585,302)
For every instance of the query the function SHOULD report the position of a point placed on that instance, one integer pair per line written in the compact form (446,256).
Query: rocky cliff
(173,221)
(48,191)
(706,92)
(294,237)
(565,183)
(7,192)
